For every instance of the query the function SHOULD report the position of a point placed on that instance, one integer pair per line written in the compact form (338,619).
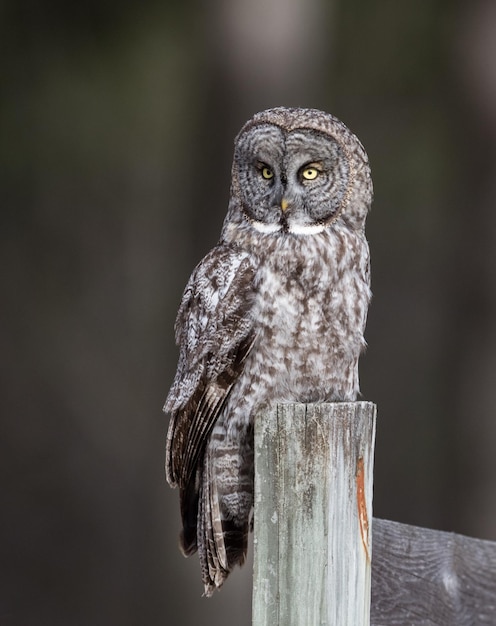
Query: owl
(274,313)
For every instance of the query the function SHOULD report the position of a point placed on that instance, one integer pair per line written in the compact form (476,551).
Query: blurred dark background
(116,126)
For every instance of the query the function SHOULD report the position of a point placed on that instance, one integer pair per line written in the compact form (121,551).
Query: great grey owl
(274,313)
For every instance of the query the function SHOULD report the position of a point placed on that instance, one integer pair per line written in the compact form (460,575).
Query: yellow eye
(267,172)
(310,173)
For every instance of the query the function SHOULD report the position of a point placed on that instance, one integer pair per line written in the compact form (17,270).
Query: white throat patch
(265,228)
(306,229)
(294,229)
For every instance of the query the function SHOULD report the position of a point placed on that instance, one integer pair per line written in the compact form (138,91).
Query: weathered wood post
(313,514)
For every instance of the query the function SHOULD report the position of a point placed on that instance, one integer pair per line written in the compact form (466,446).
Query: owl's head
(298,171)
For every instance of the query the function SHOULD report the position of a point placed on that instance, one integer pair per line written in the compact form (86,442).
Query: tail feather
(216,503)
(211,546)
(222,541)
(204,529)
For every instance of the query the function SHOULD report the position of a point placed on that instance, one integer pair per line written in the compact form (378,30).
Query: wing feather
(214,331)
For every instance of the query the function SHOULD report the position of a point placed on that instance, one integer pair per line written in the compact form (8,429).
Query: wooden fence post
(313,514)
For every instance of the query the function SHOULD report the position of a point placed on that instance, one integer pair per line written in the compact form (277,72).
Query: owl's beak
(284,205)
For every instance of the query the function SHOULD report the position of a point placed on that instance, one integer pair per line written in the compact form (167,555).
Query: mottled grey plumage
(274,313)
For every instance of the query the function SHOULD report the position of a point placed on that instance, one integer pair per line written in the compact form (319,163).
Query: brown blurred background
(116,126)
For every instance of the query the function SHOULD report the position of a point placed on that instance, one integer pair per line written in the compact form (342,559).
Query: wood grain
(425,577)
(313,495)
